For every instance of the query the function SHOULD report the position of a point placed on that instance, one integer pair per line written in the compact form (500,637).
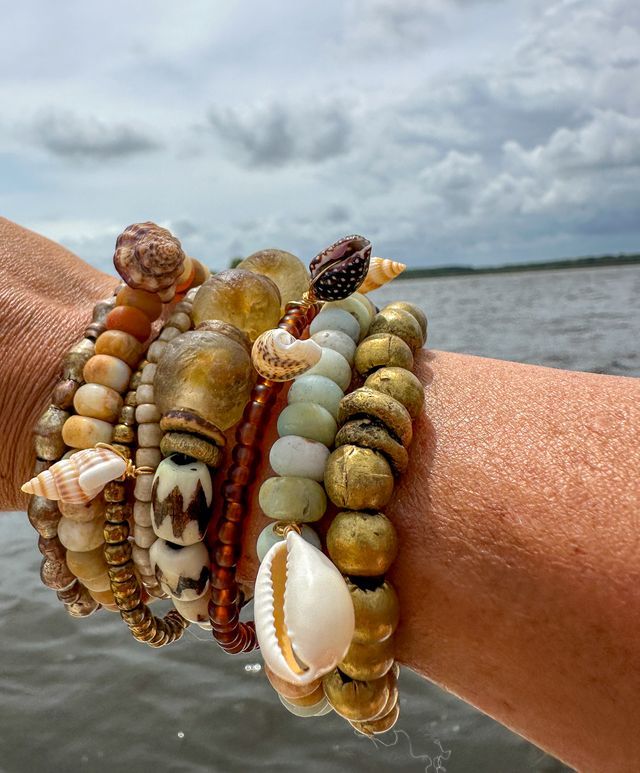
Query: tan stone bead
(79,536)
(368,661)
(47,435)
(148,457)
(288,272)
(355,700)
(379,725)
(149,435)
(191,445)
(119,344)
(206,373)
(180,321)
(82,513)
(98,402)
(362,544)
(87,564)
(109,371)
(380,350)
(367,433)
(148,373)
(400,323)
(369,402)
(358,478)
(402,385)
(377,611)
(85,432)
(249,301)
(148,413)
(99,583)
(104,597)
(416,312)
(288,690)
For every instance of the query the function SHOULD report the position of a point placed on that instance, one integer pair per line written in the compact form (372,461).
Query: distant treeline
(588,261)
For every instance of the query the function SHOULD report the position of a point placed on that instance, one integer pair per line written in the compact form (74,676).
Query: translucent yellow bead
(288,272)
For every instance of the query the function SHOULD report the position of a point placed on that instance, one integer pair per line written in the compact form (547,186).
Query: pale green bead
(308,420)
(336,319)
(334,366)
(316,389)
(268,538)
(292,499)
(357,309)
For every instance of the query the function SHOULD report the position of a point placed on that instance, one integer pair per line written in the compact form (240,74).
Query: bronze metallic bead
(122,433)
(123,450)
(64,392)
(138,616)
(311,699)
(102,309)
(369,433)
(415,311)
(52,548)
(114,492)
(377,611)
(117,554)
(55,574)
(128,600)
(43,515)
(70,594)
(127,415)
(362,544)
(369,402)
(131,398)
(118,511)
(75,359)
(121,573)
(84,606)
(368,661)
(401,324)
(191,445)
(381,725)
(380,350)
(355,700)
(402,385)
(358,478)
(116,532)
(47,434)
(288,690)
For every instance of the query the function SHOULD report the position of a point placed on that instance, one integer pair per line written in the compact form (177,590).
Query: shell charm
(381,271)
(79,478)
(339,270)
(278,356)
(149,257)
(303,611)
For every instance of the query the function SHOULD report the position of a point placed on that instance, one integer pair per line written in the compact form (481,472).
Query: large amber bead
(287,271)
(207,373)
(249,301)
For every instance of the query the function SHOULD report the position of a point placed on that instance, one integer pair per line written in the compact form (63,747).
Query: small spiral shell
(278,356)
(79,478)
(381,271)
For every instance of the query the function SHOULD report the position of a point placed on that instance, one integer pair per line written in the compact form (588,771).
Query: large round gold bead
(369,402)
(288,272)
(368,433)
(207,373)
(381,725)
(401,324)
(312,699)
(362,544)
(358,478)
(377,611)
(380,350)
(402,385)
(355,700)
(416,312)
(368,661)
(249,301)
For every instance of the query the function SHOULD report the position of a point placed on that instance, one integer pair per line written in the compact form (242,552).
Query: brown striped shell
(339,270)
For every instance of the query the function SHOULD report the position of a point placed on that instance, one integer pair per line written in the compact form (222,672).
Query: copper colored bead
(224,616)
(117,512)
(43,515)
(240,475)
(227,555)
(234,492)
(222,577)
(247,434)
(55,574)
(224,596)
(128,600)
(230,533)
(379,725)
(244,456)
(381,350)
(234,511)
(117,554)
(230,639)
(115,533)
(47,434)
(51,548)
(63,393)
(71,594)
(121,573)
(136,616)
(83,607)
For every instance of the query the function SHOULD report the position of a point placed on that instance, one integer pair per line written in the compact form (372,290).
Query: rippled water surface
(83,696)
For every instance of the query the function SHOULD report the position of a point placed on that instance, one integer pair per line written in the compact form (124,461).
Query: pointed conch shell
(381,271)
(278,356)
(79,478)
(303,611)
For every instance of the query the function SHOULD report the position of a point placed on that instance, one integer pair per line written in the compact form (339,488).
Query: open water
(83,696)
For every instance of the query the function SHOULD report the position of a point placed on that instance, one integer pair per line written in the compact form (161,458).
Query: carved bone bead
(183,572)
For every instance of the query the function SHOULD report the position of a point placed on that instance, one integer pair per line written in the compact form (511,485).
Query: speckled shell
(303,611)
(79,478)
(149,257)
(340,269)
(278,356)
(381,271)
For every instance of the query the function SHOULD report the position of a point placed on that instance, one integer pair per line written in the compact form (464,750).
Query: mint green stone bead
(308,420)
(268,537)
(334,366)
(316,389)
(292,499)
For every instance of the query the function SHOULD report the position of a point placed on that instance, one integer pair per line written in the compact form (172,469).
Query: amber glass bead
(244,456)
(224,596)
(240,475)
(234,511)
(227,555)
(222,577)
(131,320)
(230,533)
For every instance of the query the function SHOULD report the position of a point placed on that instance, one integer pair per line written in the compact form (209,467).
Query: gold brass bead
(369,402)
(402,385)
(122,433)
(368,661)
(381,725)
(311,699)
(76,358)
(358,478)
(117,554)
(362,544)
(377,611)
(116,532)
(353,699)
(115,492)
(380,350)
(47,440)
(367,433)
(401,324)
(190,445)
(416,312)
(128,415)
(290,691)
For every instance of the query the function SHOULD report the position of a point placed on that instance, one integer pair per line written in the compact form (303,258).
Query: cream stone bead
(300,457)
(183,572)
(98,401)
(308,420)
(79,536)
(142,561)
(270,535)
(85,432)
(149,435)
(87,564)
(82,512)
(196,611)
(144,536)
(107,370)
(336,319)
(316,389)
(148,413)
(143,488)
(98,584)
(292,499)
(334,366)
(148,373)
(145,393)
(142,513)
(148,457)
(338,341)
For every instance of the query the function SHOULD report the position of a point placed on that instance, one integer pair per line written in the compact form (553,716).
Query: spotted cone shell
(381,271)
(339,270)
(278,356)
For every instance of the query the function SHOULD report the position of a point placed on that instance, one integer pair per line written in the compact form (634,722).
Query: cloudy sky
(447,131)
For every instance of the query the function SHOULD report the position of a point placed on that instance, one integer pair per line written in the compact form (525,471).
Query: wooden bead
(131,320)
(98,401)
(149,303)
(381,350)
(362,544)
(107,370)
(119,344)
(358,478)
(85,432)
